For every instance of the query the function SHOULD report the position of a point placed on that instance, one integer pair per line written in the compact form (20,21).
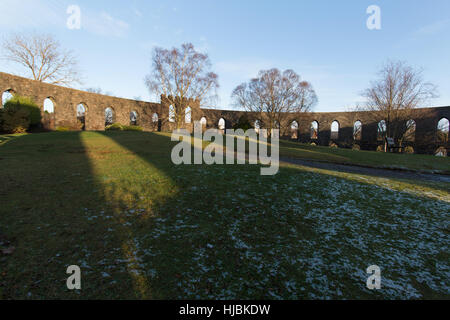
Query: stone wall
(66,100)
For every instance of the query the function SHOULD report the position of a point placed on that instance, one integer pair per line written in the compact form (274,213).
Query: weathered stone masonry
(65,102)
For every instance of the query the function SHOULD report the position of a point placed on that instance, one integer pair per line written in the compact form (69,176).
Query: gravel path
(369,171)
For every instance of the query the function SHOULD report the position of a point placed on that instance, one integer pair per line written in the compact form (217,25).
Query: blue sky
(326,42)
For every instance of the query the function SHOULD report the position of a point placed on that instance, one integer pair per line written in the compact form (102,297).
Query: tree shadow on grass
(141,227)
(54,211)
(225,232)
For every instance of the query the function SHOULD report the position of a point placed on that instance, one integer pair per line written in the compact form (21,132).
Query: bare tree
(395,97)
(43,57)
(182,74)
(275,96)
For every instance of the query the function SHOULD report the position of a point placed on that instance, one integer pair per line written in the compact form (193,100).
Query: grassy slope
(365,158)
(140,227)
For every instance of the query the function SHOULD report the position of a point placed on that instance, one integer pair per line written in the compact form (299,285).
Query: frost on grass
(233,234)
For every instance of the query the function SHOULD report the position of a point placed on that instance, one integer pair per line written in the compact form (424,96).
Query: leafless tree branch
(43,57)
(275,95)
(182,74)
(395,97)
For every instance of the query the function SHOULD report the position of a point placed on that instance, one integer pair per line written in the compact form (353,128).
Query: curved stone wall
(66,100)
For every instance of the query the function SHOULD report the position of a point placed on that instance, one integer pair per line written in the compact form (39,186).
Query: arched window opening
(381,130)
(109,116)
(335,130)
(48,116)
(203,122)
(357,131)
(222,124)
(6,96)
(133,118)
(171,114)
(49,107)
(188,115)
(257,126)
(314,130)
(156,122)
(443,130)
(294,130)
(81,115)
(410,132)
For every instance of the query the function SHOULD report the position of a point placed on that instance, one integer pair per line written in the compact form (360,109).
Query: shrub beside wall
(120,127)
(29,106)
(19,114)
(243,123)
(409,150)
(15,120)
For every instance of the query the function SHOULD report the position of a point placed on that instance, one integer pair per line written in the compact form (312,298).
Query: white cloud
(38,13)
(434,28)
(31,14)
(105,25)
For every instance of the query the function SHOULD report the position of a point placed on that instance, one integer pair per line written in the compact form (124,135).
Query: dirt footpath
(400,174)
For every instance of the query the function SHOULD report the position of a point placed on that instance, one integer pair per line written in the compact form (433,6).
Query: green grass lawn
(365,158)
(141,227)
